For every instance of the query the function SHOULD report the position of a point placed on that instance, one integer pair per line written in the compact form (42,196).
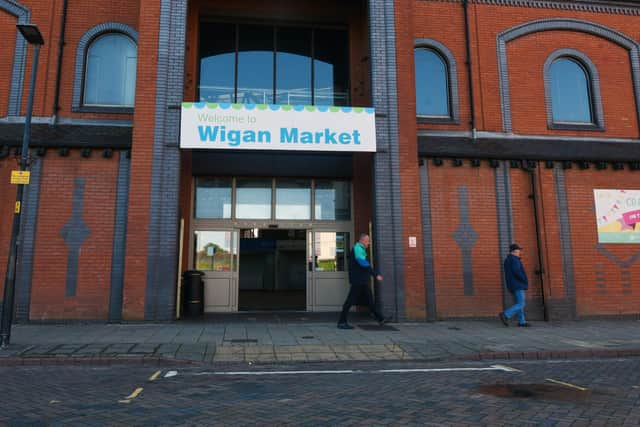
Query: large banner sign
(618,213)
(277,127)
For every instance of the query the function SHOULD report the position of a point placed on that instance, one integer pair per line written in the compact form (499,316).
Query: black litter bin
(193,288)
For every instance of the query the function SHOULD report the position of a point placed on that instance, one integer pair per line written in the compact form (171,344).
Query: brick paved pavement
(239,339)
(75,395)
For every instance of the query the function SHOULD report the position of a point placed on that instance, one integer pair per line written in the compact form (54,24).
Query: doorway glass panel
(331,251)
(333,200)
(213,198)
(214,251)
(293,199)
(253,199)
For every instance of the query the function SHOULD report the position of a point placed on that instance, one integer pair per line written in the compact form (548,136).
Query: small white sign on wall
(413,242)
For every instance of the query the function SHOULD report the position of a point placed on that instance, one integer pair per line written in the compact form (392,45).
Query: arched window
(110,71)
(436,82)
(570,94)
(572,89)
(432,84)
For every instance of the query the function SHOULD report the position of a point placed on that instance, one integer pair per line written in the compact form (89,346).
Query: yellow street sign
(20,177)
(17,210)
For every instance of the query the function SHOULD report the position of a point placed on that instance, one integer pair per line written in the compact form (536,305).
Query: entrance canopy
(277,127)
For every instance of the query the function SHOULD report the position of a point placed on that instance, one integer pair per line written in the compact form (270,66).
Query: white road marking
(490,368)
(171,374)
(501,368)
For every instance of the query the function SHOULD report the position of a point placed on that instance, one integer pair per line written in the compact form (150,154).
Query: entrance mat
(377,328)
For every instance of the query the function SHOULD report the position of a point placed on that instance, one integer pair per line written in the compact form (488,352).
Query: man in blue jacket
(517,283)
(359,272)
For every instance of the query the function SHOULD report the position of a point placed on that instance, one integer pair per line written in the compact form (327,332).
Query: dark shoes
(503,319)
(344,326)
(525,325)
(384,320)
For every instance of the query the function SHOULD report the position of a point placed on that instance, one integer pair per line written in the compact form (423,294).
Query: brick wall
(573,268)
(50,295)
(445,185)
(600,273)
(47,15)
(8,35)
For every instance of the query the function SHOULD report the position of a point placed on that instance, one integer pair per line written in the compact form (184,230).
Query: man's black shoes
(525,325)
(384,320)
(344,326)
(503,319)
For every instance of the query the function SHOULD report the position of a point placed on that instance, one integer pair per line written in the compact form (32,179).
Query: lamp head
(31,33)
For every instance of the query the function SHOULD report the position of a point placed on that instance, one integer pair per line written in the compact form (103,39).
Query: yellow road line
(577,387)
(154,376)
(135,393)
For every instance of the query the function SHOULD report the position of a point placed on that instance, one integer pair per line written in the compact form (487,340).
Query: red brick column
(135,278)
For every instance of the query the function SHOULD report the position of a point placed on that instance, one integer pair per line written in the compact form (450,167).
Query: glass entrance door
(216,254)
(328,281)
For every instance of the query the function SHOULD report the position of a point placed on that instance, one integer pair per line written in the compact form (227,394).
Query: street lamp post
(33,36)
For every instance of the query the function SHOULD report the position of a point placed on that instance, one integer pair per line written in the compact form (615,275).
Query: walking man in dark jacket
(359,272)
(517,283)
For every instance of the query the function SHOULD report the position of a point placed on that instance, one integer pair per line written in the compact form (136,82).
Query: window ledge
(437,120)
(577,126)
(101,109)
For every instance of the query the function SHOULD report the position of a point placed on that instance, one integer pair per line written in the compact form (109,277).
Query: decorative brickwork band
(566,247)
(28,228)
(387,192)
(427,239)
(119,239)
(19,57)
(505,221)
(466,238)
(598,6)
(74,233)
(163,228)
(560,24)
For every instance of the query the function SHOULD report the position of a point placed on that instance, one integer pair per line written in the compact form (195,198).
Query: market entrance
(272,270)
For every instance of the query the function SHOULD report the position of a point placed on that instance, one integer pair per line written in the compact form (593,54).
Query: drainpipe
(467,38)
(56,98)
(540,271)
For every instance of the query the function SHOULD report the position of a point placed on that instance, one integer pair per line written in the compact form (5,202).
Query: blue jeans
(518,307)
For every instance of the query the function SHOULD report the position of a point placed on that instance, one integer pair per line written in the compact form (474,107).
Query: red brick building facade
(445,194)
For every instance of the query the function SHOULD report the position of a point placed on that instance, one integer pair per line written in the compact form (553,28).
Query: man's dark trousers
(356,292)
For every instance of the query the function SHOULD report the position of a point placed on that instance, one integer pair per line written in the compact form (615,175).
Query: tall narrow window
(293,66)
(255,65)
(110,76)
(217,63)
(432,84)
(570,92)
(331,67)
